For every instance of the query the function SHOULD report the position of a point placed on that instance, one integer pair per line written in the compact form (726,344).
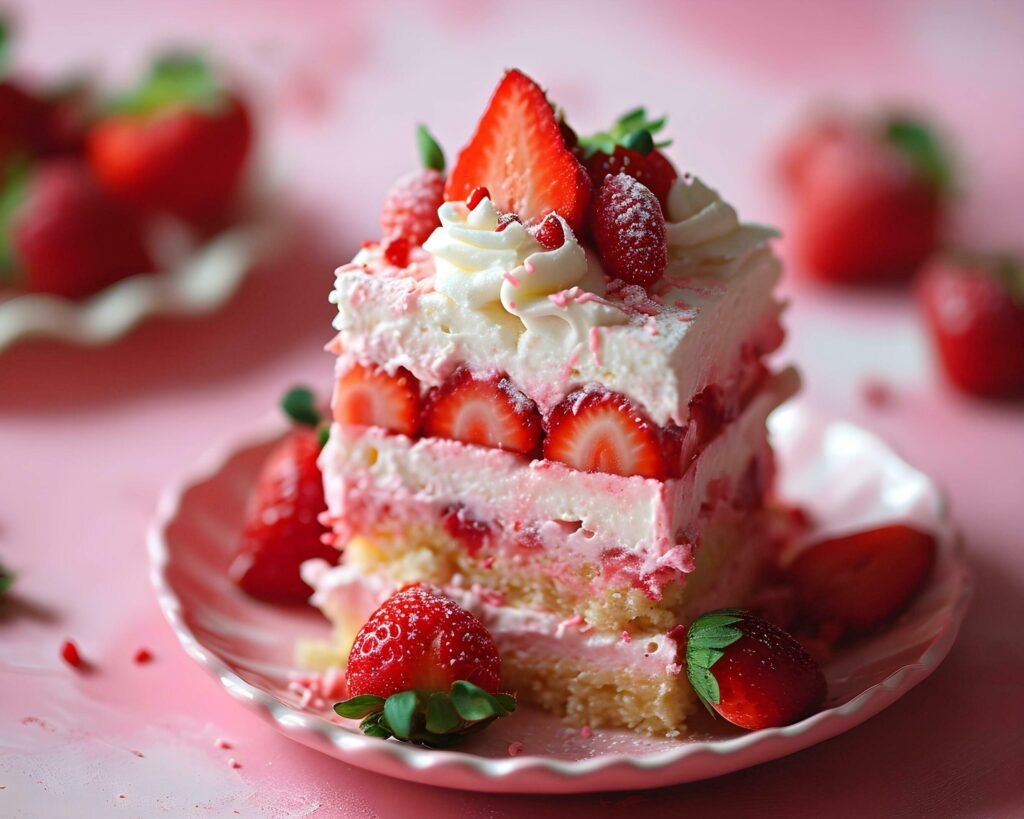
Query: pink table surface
(89,438)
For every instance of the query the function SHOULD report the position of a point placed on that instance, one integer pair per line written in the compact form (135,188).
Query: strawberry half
(424,670)
(594,430)
(369,396)
(282,523)
(863,580)
(751,672)
(488,412)
(519,154)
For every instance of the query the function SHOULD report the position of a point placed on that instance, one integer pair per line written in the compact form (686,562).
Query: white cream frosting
(697,214)
(555,293)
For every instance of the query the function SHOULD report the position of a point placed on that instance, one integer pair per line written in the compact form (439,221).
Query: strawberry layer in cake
(550,402)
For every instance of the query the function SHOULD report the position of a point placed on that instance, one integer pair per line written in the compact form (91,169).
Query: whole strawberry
(424,670)
(869,198)
(410,208)
(60,234)
(282,527)
(974,307)
(179,143)
(629,148)
(629,229)
(751,672)
(860,581)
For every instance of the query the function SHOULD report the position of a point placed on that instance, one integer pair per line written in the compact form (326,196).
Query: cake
(550,402)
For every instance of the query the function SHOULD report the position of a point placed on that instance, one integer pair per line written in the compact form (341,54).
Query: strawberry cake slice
(550,403)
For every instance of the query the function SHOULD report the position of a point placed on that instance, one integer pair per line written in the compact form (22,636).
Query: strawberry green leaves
(706,640)
(431,155)
(434,719)
(299,405)
(174,80)
(919,142)
(633,130)
(6,578)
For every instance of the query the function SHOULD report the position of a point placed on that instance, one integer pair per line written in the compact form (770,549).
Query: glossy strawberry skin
(184,161)
(766,679)
(600,431)
(976,323)
(629,230)
(410,208)
(483,410)
(519,154)
(653,170)
(863,214)
(860,581)
(419,639)
(367,395)
(282,527)
(71,240)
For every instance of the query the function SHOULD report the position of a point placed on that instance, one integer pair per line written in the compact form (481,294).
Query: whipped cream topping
(555,293)
(697,214)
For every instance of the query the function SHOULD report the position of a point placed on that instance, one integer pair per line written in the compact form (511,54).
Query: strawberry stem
(6,578)
(431,155)
(173,80)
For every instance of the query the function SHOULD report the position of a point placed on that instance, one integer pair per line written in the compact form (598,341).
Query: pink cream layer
(635,531)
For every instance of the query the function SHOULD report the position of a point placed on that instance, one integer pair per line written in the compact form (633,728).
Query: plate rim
(116,310)
(508,775)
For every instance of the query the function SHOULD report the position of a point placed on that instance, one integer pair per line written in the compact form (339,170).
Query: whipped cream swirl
(697,214)
(554,293)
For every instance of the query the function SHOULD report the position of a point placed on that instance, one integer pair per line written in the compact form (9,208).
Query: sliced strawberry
(862,580)
(424,670)
(370,396)
(519,154)
(629,229)
(594,430)
(751,672)
(282,528)
(487,411)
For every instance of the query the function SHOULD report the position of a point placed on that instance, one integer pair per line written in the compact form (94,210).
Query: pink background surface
(89,438)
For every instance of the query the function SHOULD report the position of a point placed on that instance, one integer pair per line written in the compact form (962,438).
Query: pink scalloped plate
(844,476)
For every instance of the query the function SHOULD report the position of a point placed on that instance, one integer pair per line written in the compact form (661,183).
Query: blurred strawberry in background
(973,305)
(60,234)
(869,196)
(83,181)
(179,143)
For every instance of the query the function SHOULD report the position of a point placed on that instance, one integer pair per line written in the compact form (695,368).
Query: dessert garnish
(424,670)
(519,154)
(629,229)
(629,147)
(410,207)
(282,527)
(750,671)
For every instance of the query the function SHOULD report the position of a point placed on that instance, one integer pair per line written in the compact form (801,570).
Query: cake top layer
(611,270)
